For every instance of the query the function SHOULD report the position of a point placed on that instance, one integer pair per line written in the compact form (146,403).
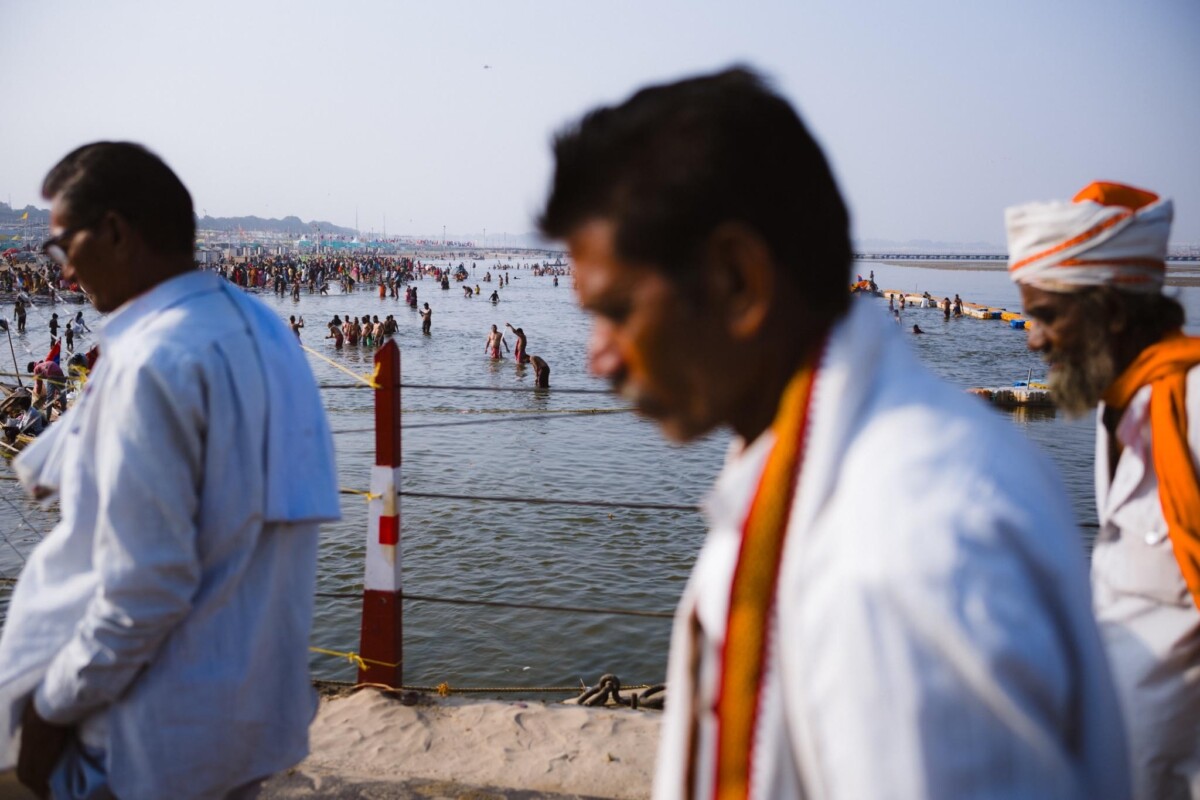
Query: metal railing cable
(544,501)
(537,501)
(458,601)
(25,520)
(494,420)
(464,388)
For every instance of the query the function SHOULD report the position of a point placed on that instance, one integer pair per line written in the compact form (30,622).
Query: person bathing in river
(368,331)
(519,352)
(541,372)
(335,333)
(494,340)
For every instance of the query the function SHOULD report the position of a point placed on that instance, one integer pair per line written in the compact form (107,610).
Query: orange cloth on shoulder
(1164,366)
(752,594)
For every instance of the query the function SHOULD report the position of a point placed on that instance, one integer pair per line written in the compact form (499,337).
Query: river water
(527,444)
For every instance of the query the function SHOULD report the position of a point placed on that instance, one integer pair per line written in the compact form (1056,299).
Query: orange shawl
(752,593)
(1164,367)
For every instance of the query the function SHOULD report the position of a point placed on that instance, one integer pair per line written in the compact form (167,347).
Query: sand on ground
(449,746)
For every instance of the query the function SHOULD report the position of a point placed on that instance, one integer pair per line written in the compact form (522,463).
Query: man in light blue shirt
(156,643)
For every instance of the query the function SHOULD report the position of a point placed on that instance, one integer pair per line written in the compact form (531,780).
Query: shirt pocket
(1140,560)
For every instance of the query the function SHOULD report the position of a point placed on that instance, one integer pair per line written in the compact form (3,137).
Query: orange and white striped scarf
(1164,366)
(752,593)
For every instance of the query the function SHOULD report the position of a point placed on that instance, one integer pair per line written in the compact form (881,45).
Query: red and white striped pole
(380,642)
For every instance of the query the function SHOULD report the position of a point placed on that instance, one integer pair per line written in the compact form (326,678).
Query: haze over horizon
(935,115)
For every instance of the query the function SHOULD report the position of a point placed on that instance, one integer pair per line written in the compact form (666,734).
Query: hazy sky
(935,115)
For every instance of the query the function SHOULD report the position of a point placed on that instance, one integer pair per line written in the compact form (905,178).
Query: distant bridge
(972,257)
(930,257)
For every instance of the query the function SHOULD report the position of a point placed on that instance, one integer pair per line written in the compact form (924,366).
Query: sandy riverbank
(370,744)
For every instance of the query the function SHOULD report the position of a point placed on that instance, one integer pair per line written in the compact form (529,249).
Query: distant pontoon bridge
(970,257)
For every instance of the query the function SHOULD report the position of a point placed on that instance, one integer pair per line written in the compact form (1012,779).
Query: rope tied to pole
(453,690)
(368,496)
(368,381)
(354,658)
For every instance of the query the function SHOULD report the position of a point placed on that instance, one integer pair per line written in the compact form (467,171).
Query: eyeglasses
(56,246)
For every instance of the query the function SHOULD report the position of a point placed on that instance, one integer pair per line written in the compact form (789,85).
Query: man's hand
(42,744)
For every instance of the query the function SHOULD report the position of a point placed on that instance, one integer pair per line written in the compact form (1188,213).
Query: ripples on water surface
(553,554)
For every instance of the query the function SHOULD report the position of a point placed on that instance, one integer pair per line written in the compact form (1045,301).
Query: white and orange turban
(1108,235)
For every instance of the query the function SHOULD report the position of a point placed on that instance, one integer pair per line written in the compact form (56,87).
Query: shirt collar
(1133,419)
(728,500)
(162,296)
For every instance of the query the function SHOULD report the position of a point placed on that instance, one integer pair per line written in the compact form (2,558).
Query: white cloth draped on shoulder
(932,632)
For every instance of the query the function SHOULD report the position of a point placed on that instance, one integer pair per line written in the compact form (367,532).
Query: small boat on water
(1022,394)
(869,288)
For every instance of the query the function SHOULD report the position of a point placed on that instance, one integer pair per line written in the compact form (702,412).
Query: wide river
(526,444)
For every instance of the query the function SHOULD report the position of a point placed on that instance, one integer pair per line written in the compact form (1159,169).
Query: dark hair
(133,182)
(1148,315)
(673,162)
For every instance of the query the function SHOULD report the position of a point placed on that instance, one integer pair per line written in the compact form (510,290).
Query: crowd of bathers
(25,278)
(368,331)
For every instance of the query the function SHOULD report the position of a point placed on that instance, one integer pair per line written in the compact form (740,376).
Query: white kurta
(167,615)
(933,635)
(1150,624)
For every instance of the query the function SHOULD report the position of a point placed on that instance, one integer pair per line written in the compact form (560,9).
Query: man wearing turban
(1091,274)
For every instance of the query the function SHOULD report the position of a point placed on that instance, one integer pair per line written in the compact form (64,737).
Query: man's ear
(1116,316)
(116,231)
(740,279)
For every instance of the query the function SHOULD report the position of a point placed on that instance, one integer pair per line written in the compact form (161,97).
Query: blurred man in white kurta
(892,600)
(156,644)
(1091,274)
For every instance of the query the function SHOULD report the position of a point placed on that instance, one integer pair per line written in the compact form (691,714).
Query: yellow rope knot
(443,689)
(368,496)
(353,658)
